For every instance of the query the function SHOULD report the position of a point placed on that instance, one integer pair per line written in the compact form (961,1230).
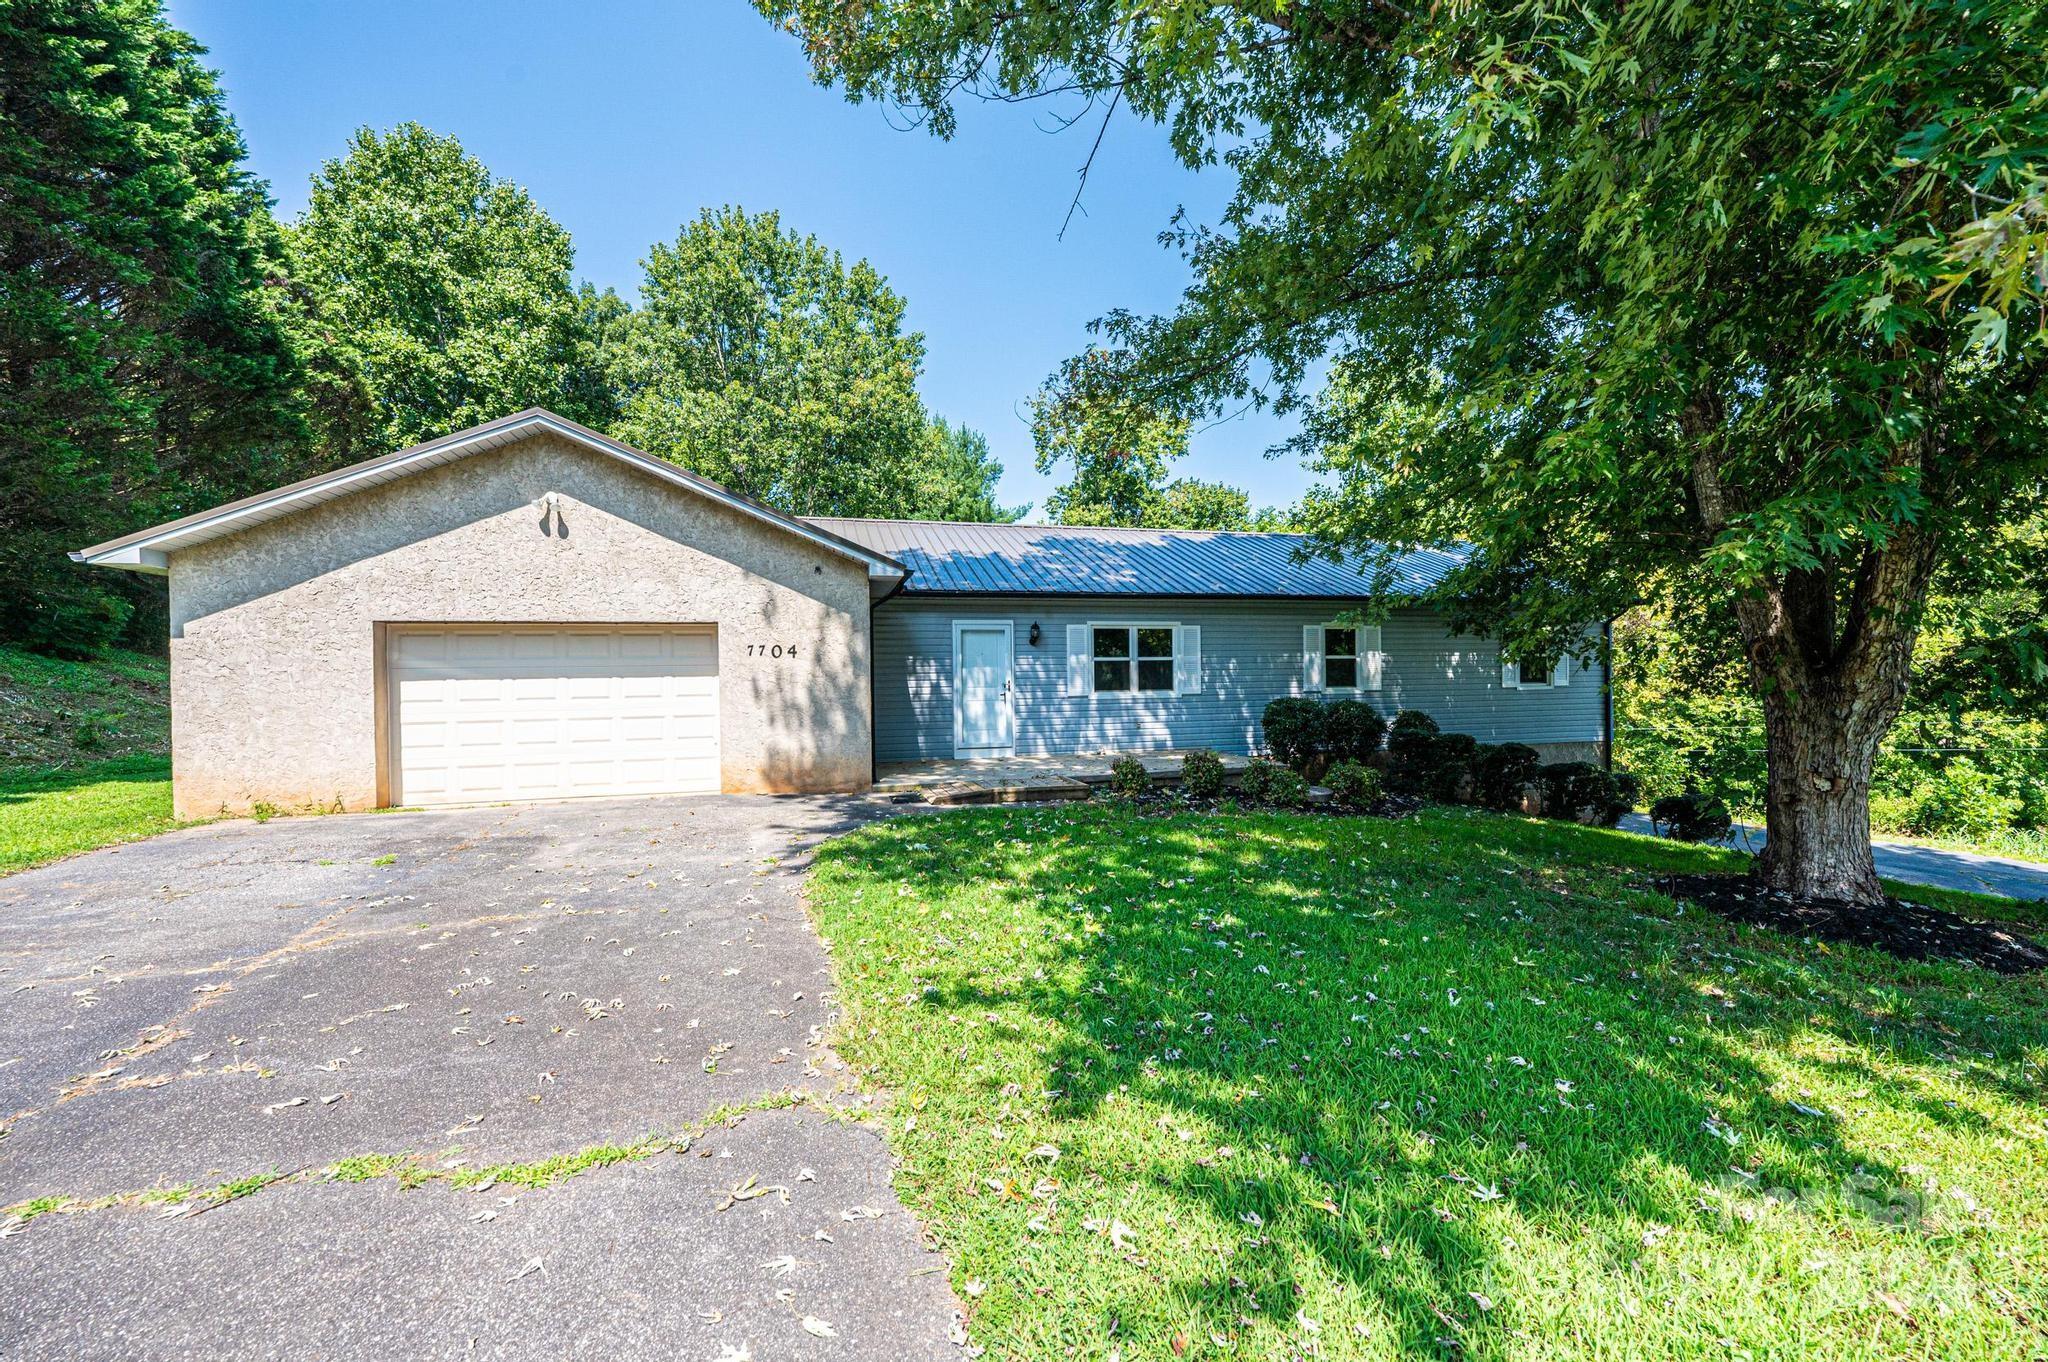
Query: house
(531,610)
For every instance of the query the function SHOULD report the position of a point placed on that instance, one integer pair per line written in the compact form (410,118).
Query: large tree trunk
(1831,654)
(1817,801)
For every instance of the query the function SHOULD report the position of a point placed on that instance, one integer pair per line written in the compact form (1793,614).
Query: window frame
(1355,657)
(1132,628)
(1548,683)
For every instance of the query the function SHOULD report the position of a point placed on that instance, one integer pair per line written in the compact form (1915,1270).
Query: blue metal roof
(1070,560)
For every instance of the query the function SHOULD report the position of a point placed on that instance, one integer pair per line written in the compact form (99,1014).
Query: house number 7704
(771,650)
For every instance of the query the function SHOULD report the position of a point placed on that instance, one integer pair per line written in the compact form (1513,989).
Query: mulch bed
(1908,930)
(1167,801)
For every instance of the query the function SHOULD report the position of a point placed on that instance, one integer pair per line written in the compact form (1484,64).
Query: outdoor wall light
(1035,635)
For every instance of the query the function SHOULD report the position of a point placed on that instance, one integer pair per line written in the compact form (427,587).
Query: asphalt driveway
(470,988)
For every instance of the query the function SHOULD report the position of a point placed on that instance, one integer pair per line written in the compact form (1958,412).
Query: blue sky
(625,118)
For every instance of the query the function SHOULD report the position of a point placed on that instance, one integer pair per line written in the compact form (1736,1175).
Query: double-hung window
(1533,675)
(1341,657)
(1132,657)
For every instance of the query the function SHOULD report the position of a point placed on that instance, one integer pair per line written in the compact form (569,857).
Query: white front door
(984,724)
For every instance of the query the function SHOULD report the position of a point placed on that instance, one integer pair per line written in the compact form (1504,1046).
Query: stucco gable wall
(274,675)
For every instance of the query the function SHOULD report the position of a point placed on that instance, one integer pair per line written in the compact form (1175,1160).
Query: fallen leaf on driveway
(749,1190)
(819,1328)
(532,1266)
(781,1266)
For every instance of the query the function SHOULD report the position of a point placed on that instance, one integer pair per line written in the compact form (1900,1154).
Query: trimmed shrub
(1691,817)
(1456,747)
(1260,778)
(1453,778)
(1129,778)
(1294,729)
(1581,792)
(1289,790)
(1255,782)
(1201,774)
(1411,749)
(1502,771)
(1353,785)
(1352,730)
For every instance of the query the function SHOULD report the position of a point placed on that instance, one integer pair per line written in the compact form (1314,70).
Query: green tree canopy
(761,359)
(145,372)
(432,296)
(1749,294)
(1118,450)
(961,481)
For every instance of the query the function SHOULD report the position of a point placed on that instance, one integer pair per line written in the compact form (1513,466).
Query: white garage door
(533,712)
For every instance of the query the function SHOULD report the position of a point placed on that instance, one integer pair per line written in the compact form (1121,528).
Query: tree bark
(1831,660)
(1817,799)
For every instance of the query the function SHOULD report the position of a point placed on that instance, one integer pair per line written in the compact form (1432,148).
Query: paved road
(484,986)
(1911,863)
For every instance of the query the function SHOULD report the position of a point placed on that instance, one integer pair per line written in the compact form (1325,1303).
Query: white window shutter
(1080,666)
(1370,658)
(1311,657)
(1510,676)
(1561,674)
(1187,659)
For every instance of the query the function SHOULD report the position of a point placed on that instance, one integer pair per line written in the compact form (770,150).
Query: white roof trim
(147,550)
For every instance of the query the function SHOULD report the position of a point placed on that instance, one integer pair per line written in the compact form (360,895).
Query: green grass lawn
(51,813)
(1268,1086)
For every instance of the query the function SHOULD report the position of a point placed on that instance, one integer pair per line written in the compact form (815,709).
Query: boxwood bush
(1502,771)
(1306,734)
(1353,785)
(1352,730)
(1201,774)
(1288,790)
(1128,777)
(1582,792)
(1255,782)
(1293,729)
(1411,749)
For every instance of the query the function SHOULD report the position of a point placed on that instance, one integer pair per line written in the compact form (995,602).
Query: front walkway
(1020,780)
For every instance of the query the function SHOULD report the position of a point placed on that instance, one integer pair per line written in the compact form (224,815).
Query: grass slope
(1268,1086)
(58,713)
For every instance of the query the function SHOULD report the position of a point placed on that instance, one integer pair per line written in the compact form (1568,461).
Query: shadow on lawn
(1536,1027)
(20,786)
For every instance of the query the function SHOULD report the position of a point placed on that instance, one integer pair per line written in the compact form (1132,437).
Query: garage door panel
(541,712)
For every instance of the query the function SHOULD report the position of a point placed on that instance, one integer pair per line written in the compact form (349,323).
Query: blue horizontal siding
(1251,653)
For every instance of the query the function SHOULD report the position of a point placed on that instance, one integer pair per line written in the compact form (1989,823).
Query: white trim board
(146,550)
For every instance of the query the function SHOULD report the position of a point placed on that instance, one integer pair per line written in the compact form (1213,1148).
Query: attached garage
(546,712)
(524,610)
